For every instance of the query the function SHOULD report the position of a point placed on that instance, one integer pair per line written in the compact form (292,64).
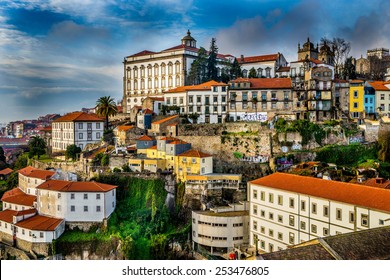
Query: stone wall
(118,161)
(12,252)
(84,226)
(38,248)
(218,129)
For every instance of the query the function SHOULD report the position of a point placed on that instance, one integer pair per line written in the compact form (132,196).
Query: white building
(30,178)
(208,100)
(76,201)
(221,229)
(76,128)
(266,66)
(149,73)
(288,209)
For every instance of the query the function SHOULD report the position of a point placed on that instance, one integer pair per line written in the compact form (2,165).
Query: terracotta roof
(168,139)
(78,117)
(8,214)
(145,138)
(6,171)
(157,98)
(354,194)
(69,186)
(378,183)
(152,148)
(125,127)
(180,47)
(32,172)
(39,222)
(259,58)
(284,69)
(176,142)
(356,81)
(17,196)
(379,85)
(46,129)
(315,61)
(166,119)
(194,153)
(265,83)
(340,81)
(148,112)
(144,52)
(204,86)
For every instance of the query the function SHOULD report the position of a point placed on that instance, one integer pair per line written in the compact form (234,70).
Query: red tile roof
(166,119)
(157,98)
(379,85)
(78,117)
(46,129)
(378,183)
(265,83)
(68,186)
(354,194)
(315,61)
(144,52)
(259,58)
(8,214)
(170,139)
(6,171)
(125,127)
(204,86)
(41,223)
(284,69)
(145,138)
(32,172)
(152,148)
(17,196)
(356,81)
(148,112)
(177,142)
(194,153)
(180,47)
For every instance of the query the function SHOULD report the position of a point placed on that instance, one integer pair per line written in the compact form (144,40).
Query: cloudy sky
(58,56)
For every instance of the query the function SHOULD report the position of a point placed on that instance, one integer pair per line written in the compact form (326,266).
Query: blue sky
(58,56)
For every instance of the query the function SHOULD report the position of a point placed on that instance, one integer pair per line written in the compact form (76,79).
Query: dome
(308,44)
(188,36)
(188,40)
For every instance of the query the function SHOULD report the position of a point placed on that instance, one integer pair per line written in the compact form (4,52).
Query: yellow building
(193,162)
(356,99)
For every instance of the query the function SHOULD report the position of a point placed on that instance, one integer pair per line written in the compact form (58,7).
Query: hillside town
(236,157)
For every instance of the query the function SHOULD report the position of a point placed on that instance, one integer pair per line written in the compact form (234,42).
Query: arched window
(170,68)
(135,69)
(244,73)
(149,70)
(163,69)
(177,81)
(177,67)
(156,69)
(135,85)
(156,83)
(149,83)
(142,71)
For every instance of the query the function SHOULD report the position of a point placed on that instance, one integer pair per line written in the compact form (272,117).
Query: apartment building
(288,209)
(356,99)
(77,128)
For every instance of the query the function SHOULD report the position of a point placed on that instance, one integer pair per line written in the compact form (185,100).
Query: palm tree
(105,107)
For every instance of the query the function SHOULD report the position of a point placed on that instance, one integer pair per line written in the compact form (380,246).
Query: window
(338,214)
(72,208)
(85,196)
(85,208)
(314,208)
(364,220)
(271,232)
(291,237)
(98,135)
(313,228)
(273,105)
(244,96)
(198,98)
(351,217)
(303,205)
(59,195)
(326,232)
(291,220)
(262,196)
(303,225)
(326,211)
(223,98)
(271,216)
(291,202)
(23,231)
(355,105)
(255,194)
(72,196)
(223,89)
(113,204)
(98,196)
(280,200)
(382,96)
(381,222)
(254,209)
(355,94)
(262,213)
(271,198)
(98,208)
(190,99)
(262,229)
(80,136)
(254,225)
(97,125)
(215,99)
(280,236)
(262,244)
(41,234)
(80,125)
(280,218)
(58,207)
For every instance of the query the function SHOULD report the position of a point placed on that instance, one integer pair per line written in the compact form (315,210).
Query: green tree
(235,70)
(13,180)
(21,162)
(252,73)
(212,73)
(194,117)
(105,160)
(349,70)
(37,146)
(105,107)
(72,151)
(197,72)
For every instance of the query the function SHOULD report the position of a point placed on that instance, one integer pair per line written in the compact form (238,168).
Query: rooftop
(223,214)
(145,138)
(7,215)
(166,119)
(265,83)
(17,196)
(200,87)
(68,186)
(32,172)
(78,117)
(259,58)
(194,153)
(354,194)
(6,171)
(39,222)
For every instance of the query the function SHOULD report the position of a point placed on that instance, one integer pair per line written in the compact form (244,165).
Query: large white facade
(77,128)
(280,216)
(264,65)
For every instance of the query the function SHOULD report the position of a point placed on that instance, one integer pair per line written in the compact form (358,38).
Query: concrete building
(356,99)
(340,98)
(265,66)
(258,99)
(78,129)
(382,97)
(207,100)
(288,209)
(220,229)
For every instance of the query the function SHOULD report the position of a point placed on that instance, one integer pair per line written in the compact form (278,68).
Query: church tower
(326,54)
(307,51)
(188,40)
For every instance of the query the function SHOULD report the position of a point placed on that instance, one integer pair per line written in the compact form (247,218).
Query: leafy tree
(212,73)
(72,151)
(106,107)
(235,70)
(2,155)
(105,160)
(252,73)
(349,70)
(37,146)
(13,180)
(194,117)
(21,162)
(377,68)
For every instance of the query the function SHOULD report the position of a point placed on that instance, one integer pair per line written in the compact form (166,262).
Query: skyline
(59,56)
